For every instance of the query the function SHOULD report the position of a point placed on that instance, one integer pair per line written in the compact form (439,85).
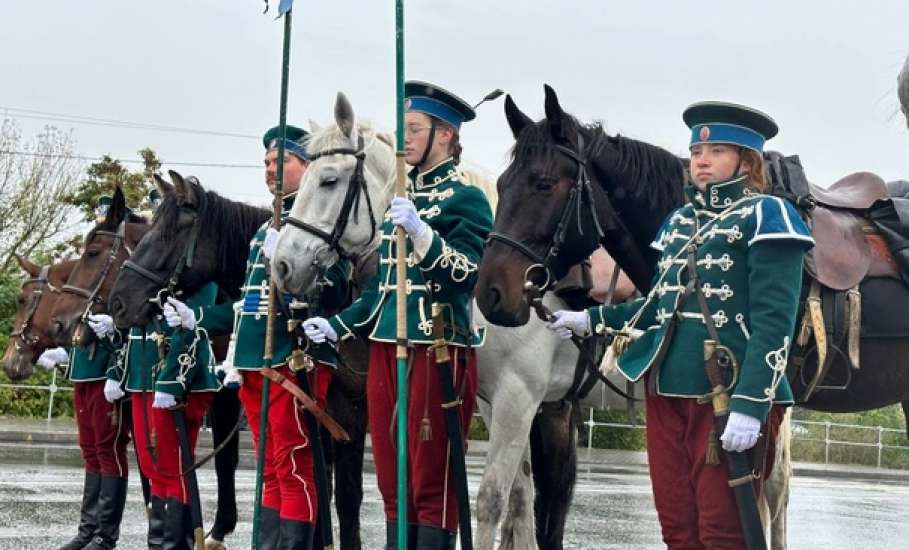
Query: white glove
(318,330)
(52,357)
(232,377)
(270,242)
(741,432)
(164,400)
(567,322)
(405,214)
(112,391)
(177,314)
(101,324)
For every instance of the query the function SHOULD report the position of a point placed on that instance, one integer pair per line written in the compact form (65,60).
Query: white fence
(52,388)
(801,431)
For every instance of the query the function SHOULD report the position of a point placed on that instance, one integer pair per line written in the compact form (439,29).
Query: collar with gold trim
(435,175)
(718,195)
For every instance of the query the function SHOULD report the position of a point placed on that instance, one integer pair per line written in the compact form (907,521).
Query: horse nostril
(283,269)
(493,297)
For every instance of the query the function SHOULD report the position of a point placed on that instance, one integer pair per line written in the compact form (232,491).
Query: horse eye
(544,184)
(91,253)
(20,300)
(329,181)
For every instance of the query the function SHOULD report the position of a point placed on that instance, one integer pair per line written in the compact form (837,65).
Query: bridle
(22,335)
(167,285)
(581,192)
(91,297)
(355,189)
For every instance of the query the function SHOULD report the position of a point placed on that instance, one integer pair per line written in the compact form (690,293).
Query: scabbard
(308,403)
(451,406)
(189,477)
(323,517)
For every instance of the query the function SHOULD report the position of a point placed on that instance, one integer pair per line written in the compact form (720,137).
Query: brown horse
(37,296)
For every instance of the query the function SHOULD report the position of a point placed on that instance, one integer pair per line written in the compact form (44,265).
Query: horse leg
(508,418)
(776,487)
(518,526)
(225,412)
(348,466)
(553,446)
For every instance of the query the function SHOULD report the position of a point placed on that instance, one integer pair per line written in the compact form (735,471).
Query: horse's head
(29,337)
(177,253)
(568,188)
(339,206)
(86,291)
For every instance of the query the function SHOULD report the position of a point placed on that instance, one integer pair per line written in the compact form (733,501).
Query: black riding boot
(157,513)
(177,533)
(269,529)
(435,538)
(296,535)
(88,515)
(391,535)
(111,501)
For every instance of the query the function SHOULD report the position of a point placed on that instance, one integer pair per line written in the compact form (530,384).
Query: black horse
(550,217)
(225,229)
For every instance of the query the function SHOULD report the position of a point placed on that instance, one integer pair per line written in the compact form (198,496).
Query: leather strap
(337,432)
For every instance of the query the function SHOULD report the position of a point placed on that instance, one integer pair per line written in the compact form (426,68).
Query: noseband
(91,296)
(22,334)
(167,285)
(580,192)
(355,188)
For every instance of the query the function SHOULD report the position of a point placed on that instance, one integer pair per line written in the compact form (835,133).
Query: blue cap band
(290,147)
(436,108)
(718,132)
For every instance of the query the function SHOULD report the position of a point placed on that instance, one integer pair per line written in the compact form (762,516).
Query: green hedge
(33,403)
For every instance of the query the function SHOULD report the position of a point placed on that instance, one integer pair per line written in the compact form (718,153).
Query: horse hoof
(214,544)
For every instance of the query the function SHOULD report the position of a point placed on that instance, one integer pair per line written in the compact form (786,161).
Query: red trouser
(289,484)
(170,464)
(143,422)
(432,500)
(695,505)
(103,434)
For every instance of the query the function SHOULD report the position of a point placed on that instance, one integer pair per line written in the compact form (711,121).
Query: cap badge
(704,133)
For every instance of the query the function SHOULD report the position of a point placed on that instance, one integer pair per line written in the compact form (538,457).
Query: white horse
(519,368)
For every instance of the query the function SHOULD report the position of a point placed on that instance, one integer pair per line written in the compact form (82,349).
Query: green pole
(277,210)
(401,295)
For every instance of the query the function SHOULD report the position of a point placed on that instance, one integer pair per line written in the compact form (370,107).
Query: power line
(129,161)
(114,123)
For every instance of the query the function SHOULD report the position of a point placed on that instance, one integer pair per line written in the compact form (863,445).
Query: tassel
(425,429)
(713,449)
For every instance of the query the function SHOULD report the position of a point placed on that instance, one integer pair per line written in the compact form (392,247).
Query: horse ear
(344,116)
(27,265)
(554,112)
(314,126)
(516,119)
(165,188)
(117,211)
(185,192)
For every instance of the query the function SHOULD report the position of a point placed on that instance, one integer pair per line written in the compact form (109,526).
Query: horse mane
(649,173)
(216,215)
(131,218)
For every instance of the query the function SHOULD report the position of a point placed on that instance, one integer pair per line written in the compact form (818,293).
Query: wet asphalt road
(39,506)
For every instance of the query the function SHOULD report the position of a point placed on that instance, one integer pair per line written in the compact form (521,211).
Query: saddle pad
(840,257)
(857,191)
(885,302)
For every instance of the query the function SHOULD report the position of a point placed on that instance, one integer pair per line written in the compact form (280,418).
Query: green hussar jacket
(460,219)
(87,365)
(188,365)
(252,318)
(750,249)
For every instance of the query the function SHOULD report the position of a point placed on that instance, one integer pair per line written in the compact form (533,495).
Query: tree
(107,174)
(35,176)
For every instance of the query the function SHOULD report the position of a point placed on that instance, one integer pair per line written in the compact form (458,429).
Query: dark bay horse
(107,246)
(632,187)
(31,322)
(225,229)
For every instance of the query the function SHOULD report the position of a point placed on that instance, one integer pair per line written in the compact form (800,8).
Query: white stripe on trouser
(297,412)
(118,408)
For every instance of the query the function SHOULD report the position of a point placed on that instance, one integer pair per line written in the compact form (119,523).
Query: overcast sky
(826,70)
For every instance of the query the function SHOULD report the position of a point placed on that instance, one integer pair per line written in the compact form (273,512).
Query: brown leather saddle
(842,255)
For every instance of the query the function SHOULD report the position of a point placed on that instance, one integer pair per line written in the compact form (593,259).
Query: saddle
(845,251)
